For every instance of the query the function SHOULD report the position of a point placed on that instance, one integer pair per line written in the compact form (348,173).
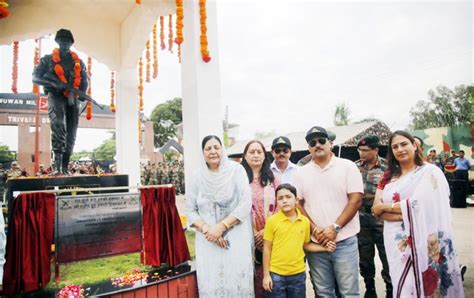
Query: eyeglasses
(280,150)
(321,141)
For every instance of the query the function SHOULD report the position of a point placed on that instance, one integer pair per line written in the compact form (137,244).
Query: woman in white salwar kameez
(218,207)
(418,233)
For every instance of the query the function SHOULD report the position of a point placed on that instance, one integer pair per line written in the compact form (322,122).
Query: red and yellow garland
(203,16)
(170,33)
(4,12)
(140,84)
(59,71)
(179,22)
(15,67)
(155,53)
(148,59)
(112,91)
(162,32)
(89,89)
(138,1)
(35,63)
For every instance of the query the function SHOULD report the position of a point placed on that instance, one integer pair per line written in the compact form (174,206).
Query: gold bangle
(225,225)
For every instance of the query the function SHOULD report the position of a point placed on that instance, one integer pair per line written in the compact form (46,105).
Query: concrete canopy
(114,32)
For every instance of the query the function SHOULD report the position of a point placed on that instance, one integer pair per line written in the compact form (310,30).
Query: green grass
(99,270)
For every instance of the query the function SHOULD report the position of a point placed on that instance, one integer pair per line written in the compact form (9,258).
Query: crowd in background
(169,172)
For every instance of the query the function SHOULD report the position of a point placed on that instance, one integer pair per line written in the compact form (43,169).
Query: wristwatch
(336,227)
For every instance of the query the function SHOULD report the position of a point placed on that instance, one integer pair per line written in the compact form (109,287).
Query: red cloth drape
(163,233)
(30,235)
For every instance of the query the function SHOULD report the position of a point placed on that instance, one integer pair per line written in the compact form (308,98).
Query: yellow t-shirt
(287,257)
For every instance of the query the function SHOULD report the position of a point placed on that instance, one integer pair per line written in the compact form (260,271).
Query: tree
(83,153)
(6,154)
(166,117)
(106,151)
(341,115)
(444,107)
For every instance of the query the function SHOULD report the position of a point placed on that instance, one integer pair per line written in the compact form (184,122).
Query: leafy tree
(83,153)
(5,154)
(166,117)
(444,107)
(341,115)
(106,151)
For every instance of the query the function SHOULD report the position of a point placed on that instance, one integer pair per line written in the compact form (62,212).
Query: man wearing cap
(330,189)
(14,171)
(63,65)
(371,167)
(281,166)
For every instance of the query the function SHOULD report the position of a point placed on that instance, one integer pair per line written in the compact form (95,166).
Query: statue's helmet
(64,33)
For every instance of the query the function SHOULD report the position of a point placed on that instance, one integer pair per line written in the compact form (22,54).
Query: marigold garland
(4,12)
(138,1)
(155,53)
(140,84)
(16,46)
(147,78)
(203,17)
(59,71)
(35,63)
(112,91)
(179,22)
(162,32)
(170,33)
(89,89)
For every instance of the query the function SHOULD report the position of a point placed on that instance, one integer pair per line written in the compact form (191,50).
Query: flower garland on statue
(89,89)
(4,12)
(170,33)
(162,32)
(112,91)
(15,67)
(138,1)
(155,53)
(179,22)
(148,59)
(59,71)
(36,60)
(203,17)
(140,84)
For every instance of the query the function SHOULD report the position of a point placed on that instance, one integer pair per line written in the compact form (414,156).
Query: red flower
(396,197)
(409,240)
(430,281)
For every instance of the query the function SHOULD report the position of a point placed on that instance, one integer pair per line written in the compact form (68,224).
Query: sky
(292,62)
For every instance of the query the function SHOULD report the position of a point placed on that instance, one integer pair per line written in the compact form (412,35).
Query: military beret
(281,141)
(369,140)
(316,131)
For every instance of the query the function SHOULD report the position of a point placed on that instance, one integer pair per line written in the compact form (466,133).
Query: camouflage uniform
(371,228)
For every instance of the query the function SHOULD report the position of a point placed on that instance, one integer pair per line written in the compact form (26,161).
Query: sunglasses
(280,150)
(321,141)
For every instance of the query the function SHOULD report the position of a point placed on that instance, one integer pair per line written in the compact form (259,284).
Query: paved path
(463,221)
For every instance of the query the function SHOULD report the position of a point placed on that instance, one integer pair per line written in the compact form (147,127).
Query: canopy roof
(112,31)
(346,136)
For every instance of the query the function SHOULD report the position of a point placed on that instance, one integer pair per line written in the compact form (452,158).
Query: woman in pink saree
(413,199)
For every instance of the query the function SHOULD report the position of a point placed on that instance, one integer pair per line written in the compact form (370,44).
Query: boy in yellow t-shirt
(286,232)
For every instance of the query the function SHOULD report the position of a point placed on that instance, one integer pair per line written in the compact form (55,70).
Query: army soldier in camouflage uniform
(371,167)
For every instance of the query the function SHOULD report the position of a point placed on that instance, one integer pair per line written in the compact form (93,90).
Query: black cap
(64,33)
(369,140)
(316,131)
(281,141)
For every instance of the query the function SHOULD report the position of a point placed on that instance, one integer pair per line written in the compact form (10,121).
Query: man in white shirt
(281,166)
(331,191)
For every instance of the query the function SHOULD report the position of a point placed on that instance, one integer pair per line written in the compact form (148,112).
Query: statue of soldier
(65,66)
(371,167)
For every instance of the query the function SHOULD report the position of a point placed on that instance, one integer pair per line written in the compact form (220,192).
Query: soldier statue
(56,72)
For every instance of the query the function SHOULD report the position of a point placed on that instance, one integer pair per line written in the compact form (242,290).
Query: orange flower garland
(155,53)
(170,33)
(35,63)
(15,67)
(179,22)
(162,32)
(59,71)
(140,84)
(112,91)
(4,12)
(203,17)
(89,89)
(147,61)
(138,1)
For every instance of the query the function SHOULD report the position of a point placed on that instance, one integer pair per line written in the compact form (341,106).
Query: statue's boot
(57,164)
(65,163)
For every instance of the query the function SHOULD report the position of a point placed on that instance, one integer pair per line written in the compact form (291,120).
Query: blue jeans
(341,265)
(288,285)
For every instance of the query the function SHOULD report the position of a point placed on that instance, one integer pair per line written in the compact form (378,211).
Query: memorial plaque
(98,225)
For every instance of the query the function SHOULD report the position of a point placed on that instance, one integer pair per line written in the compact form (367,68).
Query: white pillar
(126,125)
(202,107)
